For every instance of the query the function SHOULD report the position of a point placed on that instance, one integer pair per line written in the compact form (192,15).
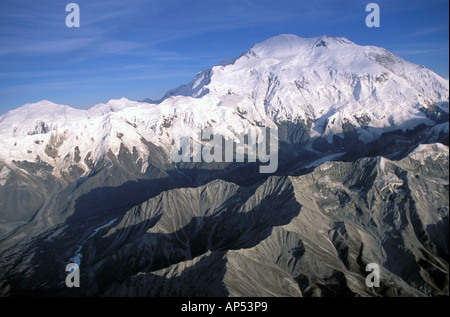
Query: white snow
(329,183)
(4,175)
(324,159)
(388,182)
(77,257)
(432,151)
(101,227)
(285,78)
(382,163)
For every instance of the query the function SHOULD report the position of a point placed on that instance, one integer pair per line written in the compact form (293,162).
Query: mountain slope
(309,235)
(348,215)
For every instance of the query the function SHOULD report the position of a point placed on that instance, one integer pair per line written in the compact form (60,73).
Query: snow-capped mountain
(362,178)
(327,84)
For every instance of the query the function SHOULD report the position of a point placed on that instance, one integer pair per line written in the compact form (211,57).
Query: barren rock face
(308,235)
(314,239)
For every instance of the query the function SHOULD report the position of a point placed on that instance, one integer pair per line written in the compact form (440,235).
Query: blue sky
(142,48)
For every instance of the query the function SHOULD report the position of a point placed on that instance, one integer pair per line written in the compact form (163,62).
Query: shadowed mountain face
(314,239)
(308,235)
(358,182)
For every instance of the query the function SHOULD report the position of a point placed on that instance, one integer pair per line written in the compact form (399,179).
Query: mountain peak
(42,104)
(39,117)
(290,44)
(43,108)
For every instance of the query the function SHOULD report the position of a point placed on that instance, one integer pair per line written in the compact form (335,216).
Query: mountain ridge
(354,87)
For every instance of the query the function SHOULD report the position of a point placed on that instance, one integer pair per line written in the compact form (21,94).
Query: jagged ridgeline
(362,177)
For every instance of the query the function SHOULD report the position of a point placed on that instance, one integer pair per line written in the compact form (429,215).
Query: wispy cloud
(429,30)
(47,47)
(421,49)
(40,87)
